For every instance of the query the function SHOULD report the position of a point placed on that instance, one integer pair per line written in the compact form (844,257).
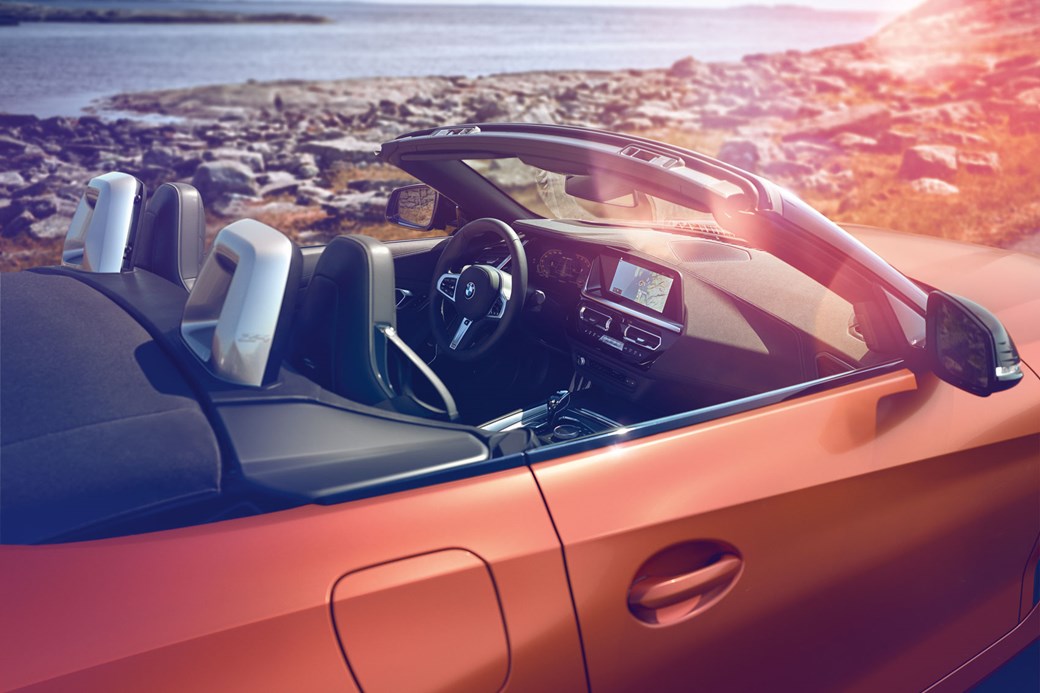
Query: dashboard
(667,321)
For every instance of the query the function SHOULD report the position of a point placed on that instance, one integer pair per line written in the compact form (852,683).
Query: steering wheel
(482,295)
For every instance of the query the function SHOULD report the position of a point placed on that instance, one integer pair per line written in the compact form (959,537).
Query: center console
(556,421)
(629,313)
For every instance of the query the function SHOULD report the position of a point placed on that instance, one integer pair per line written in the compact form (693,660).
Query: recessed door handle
(660,592)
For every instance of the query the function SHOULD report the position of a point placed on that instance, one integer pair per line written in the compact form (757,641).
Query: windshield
(596,197)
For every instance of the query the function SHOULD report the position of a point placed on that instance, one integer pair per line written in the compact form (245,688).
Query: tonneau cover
(95,420)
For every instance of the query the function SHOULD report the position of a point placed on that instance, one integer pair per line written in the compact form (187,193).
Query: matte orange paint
(425,623)
(244,605)
(883,528)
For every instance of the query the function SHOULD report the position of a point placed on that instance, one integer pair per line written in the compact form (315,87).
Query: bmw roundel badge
(471,289)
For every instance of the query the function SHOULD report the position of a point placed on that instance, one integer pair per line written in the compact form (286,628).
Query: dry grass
(993,210)
(23,252)
(340,176)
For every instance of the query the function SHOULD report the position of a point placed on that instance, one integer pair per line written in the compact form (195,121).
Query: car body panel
(439,612)
(876,556)
(245,604)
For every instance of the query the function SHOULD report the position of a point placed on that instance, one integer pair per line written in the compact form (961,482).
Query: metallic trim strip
(698,416)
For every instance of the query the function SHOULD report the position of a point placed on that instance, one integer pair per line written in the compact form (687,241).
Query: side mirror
(968,347)
(414,207)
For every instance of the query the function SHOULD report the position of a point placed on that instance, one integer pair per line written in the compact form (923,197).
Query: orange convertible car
(642,421)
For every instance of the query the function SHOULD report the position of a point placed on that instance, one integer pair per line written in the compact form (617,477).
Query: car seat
(172,234)
(345,328)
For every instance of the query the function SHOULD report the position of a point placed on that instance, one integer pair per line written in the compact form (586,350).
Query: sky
(874,5)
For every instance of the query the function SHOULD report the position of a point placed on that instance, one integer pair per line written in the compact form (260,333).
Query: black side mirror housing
(968,347)
(419,207)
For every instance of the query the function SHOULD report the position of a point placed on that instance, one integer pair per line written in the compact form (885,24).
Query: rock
(895,141)
(10,146)
(254,160)
(165,157)
(1024,120)
(929,161)
(824,84)
(687,67)
(346,149)
(851,142)
(311,194)
(979,163)
(487,109)
(1030,97)
(57,127)
(862,120)
(11,179)
(40,207)
(10,120)
(217,179)
(958,138)
(304,166)
(53,227)
(787,168)
(362,206)
(33,190)
(17,225)
(933,186)
(635,124)
(742,153)
(9,211)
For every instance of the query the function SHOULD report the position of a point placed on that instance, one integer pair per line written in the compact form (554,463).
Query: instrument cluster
(563,266)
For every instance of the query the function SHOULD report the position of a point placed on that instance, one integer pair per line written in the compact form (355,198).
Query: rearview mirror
(969,347)
(413,206)
(601,189)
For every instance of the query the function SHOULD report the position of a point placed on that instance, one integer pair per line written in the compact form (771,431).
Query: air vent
(448,132)
(643,338)
(708,251)
(662,160)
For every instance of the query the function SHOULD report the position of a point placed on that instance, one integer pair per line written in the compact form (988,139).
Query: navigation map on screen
(646,288)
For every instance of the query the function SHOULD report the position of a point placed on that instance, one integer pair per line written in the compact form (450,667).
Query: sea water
(60,68)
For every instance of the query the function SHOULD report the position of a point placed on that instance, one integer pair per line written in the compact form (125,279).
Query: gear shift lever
(556,403)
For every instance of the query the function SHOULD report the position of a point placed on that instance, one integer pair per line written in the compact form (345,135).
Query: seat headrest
(336,342)
(237,316)
(105,224)
(172,236)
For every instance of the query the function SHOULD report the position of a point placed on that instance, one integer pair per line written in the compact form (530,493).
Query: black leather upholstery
(172,235)
(346,327)
(337,343)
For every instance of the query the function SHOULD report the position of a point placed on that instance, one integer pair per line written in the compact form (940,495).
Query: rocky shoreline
(892,131)
(14,13)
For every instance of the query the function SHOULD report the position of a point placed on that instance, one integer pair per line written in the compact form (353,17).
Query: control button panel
(447,285)
(622,336)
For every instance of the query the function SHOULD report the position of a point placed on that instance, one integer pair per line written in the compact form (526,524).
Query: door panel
(881,530)
(245,604)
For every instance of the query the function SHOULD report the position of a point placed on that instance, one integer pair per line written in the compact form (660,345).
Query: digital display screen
(641,285)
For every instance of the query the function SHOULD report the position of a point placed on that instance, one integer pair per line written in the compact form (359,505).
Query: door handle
(659,592)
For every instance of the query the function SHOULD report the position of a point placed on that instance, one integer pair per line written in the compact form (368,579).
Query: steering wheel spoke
(463,334)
